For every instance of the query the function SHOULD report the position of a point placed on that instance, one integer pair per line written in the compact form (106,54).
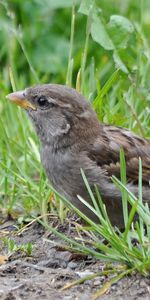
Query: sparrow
(72,139)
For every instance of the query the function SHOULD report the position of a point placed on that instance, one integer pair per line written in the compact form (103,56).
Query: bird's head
(56,111)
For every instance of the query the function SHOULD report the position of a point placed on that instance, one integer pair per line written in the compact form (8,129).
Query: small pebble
(84,273)
(72,265)
(97,282)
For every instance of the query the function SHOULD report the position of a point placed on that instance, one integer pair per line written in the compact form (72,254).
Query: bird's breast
(62,169)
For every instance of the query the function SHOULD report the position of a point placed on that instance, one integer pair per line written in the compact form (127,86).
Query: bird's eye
(42,101)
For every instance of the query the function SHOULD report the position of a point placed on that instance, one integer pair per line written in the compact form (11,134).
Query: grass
(112,69)
(12,247)
(120,246)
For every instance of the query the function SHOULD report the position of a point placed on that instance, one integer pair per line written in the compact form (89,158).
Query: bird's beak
(20,99)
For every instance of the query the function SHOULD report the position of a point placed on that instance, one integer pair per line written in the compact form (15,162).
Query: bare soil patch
(49,268)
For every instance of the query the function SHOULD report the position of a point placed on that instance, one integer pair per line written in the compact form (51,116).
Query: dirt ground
(49,268)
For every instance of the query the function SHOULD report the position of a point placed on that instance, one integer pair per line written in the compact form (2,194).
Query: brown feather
(107,147)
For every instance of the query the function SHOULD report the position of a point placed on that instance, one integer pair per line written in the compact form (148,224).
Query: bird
(72,139)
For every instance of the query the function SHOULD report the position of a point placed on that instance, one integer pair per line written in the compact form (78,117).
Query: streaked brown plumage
(134,147)
(72,138)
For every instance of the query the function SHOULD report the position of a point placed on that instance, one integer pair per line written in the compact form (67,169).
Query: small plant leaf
(100,35)
(119,29)
(85,6)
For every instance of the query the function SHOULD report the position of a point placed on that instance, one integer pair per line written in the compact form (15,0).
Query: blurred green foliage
(44,29)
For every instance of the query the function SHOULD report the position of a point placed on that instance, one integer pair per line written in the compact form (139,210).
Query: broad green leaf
(119,29)
(113,35)
(100,34)
(85,6)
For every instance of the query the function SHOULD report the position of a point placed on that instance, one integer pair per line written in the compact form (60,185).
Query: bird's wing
(105,152)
